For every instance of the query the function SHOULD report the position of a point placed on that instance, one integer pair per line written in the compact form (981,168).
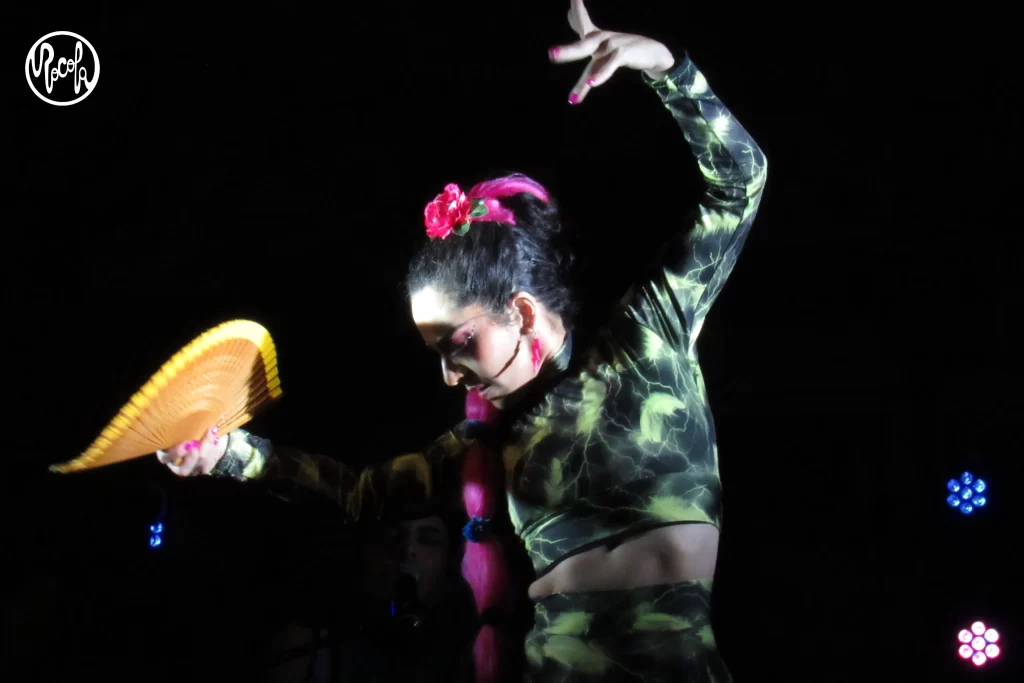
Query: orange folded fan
(220,379)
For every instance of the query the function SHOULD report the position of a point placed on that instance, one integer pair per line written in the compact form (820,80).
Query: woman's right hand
(195,457)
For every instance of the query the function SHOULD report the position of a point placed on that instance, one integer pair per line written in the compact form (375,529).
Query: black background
(273,165)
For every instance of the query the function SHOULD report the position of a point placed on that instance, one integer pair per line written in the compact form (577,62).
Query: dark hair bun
(542,221)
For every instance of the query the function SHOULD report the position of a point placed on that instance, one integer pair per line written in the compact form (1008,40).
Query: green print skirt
(645,635)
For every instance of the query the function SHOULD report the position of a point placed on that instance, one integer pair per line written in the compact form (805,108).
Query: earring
(535,350)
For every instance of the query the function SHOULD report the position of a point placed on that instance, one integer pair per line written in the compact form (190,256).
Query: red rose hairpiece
(452,212)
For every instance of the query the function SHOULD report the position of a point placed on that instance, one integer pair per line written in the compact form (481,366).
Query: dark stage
(272,164)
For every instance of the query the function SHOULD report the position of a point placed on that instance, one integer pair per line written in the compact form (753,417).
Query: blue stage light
(965,493)
(156,529)
(155,534)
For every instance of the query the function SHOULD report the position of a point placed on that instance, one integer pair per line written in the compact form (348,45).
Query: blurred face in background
(423,549)
(420,548)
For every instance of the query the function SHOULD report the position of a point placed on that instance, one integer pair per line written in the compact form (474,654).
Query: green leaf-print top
(624,441)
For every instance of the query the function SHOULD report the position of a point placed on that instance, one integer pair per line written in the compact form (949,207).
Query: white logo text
(76,68)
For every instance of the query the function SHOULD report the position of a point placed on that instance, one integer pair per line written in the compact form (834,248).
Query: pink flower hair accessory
(452,212)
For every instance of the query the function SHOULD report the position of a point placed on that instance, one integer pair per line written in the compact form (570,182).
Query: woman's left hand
(608,51)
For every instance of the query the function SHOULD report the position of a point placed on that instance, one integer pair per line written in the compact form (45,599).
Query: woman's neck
(552,335)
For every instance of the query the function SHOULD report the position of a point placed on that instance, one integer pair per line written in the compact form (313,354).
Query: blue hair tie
(478,430)
(477,529)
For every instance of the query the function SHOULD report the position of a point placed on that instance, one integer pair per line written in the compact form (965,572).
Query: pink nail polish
(574,98)
(214,429)
(188,446)
(553,52)
(216,442)
(591,82)
(195,444)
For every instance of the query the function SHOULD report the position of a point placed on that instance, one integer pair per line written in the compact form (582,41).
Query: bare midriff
(666,555)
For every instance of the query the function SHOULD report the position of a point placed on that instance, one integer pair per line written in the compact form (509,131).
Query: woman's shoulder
(622,358)
(454,442)
(623,346)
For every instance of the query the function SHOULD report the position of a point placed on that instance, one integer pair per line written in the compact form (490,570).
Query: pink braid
(483,564)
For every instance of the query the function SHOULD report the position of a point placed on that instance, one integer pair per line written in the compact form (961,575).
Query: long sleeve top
(622,440)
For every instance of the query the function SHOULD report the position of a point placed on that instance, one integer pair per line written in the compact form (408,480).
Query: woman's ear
(525,308)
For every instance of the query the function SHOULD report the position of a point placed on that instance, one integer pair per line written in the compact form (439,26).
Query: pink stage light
(978,643)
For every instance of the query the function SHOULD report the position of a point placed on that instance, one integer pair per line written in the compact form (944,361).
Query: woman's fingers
(186,464)
(579,19)
(193,457)
(602,68)
(176,454)
(210,451)
(582,86)
(604,50)
(581,49)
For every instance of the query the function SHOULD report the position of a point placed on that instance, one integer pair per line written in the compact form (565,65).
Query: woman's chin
(495,397)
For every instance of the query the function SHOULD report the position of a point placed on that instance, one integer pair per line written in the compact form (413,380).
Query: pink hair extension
(483,564)
(479,409)
(508,186)
(492,190)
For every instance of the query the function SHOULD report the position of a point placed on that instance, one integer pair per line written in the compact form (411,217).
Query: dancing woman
(604,457)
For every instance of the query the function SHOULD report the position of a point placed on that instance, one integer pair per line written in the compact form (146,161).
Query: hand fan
(220,379)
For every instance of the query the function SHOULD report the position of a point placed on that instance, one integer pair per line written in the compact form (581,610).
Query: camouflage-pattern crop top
(625,441)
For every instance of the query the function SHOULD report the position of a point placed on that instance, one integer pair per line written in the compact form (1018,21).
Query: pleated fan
(220,379)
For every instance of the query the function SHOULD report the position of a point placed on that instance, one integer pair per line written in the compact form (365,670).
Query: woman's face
(476,350)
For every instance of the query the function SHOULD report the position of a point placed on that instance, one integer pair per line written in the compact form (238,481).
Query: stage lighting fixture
(978,643)
(966,493)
